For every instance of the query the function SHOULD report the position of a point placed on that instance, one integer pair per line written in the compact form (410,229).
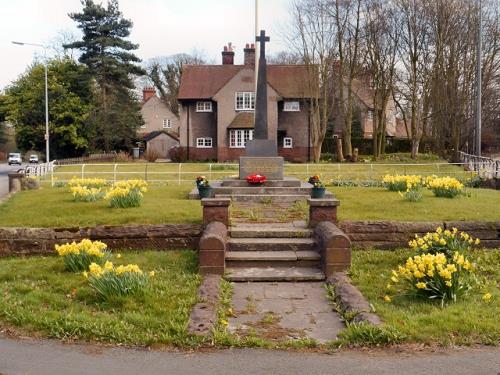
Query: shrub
(177,154)
(475,181)
(443,241)
(123,157)
(401,182)
(152,155)
(447,187)
(79,256)
(433,276)
(85,194)
(95,183)
(30,183)
(110,281)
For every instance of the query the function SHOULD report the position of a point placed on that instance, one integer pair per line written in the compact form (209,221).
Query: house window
(370,115)
(204,142)
(238,137)
(167,123)
(291,106)
(203,106)
(245,101)
(287,142)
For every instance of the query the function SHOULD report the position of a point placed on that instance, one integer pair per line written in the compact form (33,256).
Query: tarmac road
(44,357)
(4,179)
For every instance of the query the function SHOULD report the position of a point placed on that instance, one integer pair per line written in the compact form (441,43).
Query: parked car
(33,159)
(15,158)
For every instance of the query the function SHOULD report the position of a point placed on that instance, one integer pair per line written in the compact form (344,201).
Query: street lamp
(47,147)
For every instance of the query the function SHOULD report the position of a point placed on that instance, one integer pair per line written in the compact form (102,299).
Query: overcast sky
(161,27)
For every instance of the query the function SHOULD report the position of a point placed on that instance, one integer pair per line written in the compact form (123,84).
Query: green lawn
(469,321)
(38,296)
(54,207)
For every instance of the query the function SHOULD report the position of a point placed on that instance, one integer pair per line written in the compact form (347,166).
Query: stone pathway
(280,311)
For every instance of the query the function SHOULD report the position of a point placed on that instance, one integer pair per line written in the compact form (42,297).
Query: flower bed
(79,256)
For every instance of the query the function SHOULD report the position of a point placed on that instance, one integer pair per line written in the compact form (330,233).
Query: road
(40,357)
(4,179)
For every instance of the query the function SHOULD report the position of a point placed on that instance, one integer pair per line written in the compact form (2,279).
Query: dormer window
(245,101)
(203,106)
(291,106)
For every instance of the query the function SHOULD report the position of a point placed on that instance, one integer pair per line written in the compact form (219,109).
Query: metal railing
(486,167)
(180,173)
(39,170)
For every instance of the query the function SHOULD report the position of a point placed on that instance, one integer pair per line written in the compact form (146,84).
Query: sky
(161,27)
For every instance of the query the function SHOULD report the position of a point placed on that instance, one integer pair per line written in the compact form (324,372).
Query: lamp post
(47,144)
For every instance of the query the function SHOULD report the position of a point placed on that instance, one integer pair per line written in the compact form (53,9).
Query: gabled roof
(243,120)
(149,136)
(204,81)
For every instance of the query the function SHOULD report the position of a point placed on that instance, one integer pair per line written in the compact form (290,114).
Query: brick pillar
(324,209)
(212,255)
(215,209)
(335,248)
(15,184)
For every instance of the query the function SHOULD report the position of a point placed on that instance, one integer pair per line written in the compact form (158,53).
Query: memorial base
(271,167)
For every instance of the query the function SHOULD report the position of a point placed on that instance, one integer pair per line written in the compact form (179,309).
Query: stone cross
(261,131)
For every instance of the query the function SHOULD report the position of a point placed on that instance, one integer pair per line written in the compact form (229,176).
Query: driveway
(40,357)
(5,169)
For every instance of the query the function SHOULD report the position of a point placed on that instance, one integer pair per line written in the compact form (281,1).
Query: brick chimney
(228,55)
(147,93)
(249,55)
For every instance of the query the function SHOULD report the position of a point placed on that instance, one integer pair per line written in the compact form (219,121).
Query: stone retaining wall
(363,234)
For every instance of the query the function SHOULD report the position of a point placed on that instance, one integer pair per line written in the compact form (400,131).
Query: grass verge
(39,297)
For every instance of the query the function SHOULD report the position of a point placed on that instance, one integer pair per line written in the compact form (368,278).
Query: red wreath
(256,179)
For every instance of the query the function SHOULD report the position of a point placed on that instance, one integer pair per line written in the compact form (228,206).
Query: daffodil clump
(432,276)
(444,241)
(86,194)
(125,194)
(110,281)
(79,256)
(447,187)
(401,182)
(96,183)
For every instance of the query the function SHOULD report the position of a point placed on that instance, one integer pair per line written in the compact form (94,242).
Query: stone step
(268,231)
(264,198)
(274,274)
(279,256)
(262,190)
(271,244)
(286,182)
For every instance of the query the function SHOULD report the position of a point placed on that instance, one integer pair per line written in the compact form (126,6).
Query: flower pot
(318,192)
(204,191)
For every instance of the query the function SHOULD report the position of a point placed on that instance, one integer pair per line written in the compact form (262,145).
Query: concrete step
(262,190)
(269,231)
(286,182)
(271,244)
(264,259)
(265,198)
(274,274)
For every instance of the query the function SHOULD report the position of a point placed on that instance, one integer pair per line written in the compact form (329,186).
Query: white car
(33,159)
(15,158)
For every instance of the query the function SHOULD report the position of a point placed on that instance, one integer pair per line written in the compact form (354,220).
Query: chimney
(249,55)
(147,93)
(228,55)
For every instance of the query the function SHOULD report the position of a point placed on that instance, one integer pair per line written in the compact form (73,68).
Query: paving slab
(280,311)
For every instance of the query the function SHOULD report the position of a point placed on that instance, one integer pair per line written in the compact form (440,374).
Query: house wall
(162,144)
(201,125)
(153,112)
(296,125)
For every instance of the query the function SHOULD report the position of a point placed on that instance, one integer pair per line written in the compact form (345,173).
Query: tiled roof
(149,136)
(204,81)
(243,120)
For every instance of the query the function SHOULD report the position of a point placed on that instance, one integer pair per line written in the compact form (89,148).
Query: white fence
(179,173)
(39,170)
(485,167)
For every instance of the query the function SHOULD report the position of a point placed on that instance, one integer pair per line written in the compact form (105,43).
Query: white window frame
(244,101)
(287,142)
(205,142)
(238,137)
(291,106)
(369,114)
(167,123)
(204,106)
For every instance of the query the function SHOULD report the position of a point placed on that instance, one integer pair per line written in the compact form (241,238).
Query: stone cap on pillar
(216,202)
(323,202)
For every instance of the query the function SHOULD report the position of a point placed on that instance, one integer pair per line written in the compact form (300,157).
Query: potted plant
(256,179)
(318,190)
(204,188)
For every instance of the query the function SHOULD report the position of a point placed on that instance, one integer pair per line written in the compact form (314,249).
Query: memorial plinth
(271,167)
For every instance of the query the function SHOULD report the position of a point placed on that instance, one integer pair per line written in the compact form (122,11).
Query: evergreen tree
(107,54)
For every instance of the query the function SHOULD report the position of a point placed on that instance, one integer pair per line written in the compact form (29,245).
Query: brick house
(160,130)
(217,108)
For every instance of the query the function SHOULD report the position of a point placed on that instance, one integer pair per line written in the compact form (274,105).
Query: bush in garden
(30,183)
(96,183)
(401,182)
(79,256)
(447,187)
(85,194)
(110,281)
(433,276)
(443,241)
